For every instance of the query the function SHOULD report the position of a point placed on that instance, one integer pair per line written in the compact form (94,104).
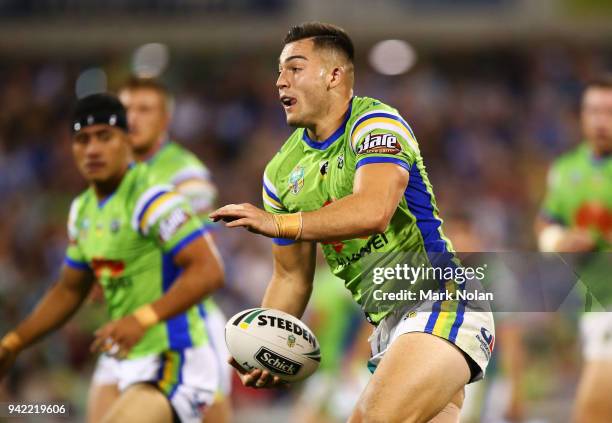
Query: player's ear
(336,76)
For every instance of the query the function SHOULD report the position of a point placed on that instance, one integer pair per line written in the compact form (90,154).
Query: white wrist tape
(548,241)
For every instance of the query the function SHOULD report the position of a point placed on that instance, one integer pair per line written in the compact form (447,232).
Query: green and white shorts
(472,331)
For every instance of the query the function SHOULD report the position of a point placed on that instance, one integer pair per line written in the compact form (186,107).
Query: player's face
(302,83)
(147,117)
(101,152)
(597,118)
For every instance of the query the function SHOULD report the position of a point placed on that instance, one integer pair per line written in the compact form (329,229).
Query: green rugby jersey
(177,166)
(306,175)
(129,241)
(579,194)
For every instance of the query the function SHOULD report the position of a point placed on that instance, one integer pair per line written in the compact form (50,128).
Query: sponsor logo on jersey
(296,179)
(279,322)
(410,315)
(375,243)
(170,225)
(107,267)
(487,341)
(380,144)
(340,161)
(276,362)
(323,167)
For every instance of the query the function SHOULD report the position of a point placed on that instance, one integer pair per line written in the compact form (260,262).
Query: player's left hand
(246,215)
(123,333)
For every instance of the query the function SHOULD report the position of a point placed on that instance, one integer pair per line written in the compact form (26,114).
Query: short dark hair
(602,81)
(324,35)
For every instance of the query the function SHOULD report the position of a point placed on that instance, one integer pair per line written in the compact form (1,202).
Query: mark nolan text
(407,295)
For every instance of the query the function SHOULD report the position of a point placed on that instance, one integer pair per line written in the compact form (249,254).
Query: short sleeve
(166,216)
(195,184)
(383,137)
(273,204)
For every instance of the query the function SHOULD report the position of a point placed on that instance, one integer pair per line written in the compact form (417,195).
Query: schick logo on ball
(277,363)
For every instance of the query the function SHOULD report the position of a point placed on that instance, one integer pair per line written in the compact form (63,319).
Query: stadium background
(492,97)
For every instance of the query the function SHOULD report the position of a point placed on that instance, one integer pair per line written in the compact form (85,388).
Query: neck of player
(152,149)
(107,187)
(330,121)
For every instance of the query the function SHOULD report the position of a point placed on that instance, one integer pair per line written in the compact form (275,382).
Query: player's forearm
(350,217)
(55,308)
(191,287)
(285,294)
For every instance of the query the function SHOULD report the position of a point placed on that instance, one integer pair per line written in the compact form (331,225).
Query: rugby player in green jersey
(351,177)
(149,109)
(576,217)
(143,244)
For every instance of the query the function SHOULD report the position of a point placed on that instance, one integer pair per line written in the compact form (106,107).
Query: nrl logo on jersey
(296,179)
(380,143)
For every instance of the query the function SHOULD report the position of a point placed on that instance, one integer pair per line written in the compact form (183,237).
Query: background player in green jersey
(351,177)
(149,109)
(145,247)
(577,217)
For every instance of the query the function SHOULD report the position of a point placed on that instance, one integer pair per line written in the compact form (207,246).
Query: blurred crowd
(488,123)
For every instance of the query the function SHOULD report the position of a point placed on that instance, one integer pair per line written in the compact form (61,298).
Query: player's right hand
(7,358)
(257,378)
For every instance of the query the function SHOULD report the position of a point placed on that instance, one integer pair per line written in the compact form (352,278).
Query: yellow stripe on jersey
(271,201)
(163,200)
(448,313)
(371,124)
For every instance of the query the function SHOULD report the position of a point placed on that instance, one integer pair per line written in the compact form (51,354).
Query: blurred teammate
(351,176)
(149,110)
(141,242)
(576,217)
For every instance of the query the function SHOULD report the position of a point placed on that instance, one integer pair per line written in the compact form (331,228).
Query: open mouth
(288,101)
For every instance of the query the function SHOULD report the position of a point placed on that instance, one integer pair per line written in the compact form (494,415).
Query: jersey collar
(333,137)
(163,146)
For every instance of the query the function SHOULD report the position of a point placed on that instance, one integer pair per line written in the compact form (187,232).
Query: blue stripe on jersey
(177,327)
(78,265)
(185,241)
(103,201)
(337,133)
(271,194)
(283,241)
(162,367)
(435,312)
(419,202)
(385,115)
(368,160)
(458,318)
(148,203)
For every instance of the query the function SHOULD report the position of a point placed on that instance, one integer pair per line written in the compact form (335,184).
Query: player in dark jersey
(351,177)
